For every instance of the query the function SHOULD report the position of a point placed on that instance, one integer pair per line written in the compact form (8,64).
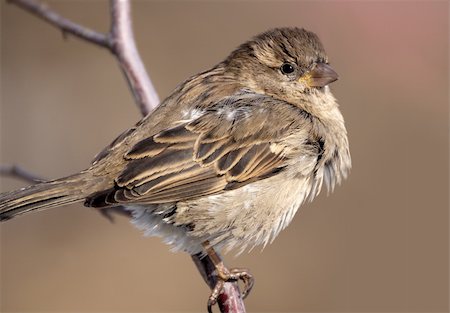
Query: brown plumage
(227,158)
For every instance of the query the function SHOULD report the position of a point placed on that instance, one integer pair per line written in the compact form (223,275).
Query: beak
(321,75)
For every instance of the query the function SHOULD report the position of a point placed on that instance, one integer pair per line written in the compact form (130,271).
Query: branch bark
(42,11)
(124,47)
(120,41)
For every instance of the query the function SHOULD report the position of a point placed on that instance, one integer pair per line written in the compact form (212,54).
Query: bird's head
(287,63)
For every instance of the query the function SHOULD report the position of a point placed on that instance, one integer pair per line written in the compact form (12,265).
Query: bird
(226,160)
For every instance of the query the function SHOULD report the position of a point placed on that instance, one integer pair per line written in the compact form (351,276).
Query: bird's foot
(230,275)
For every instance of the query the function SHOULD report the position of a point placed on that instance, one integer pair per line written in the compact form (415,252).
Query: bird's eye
(287,68)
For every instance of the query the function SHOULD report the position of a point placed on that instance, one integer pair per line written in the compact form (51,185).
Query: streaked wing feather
(175,135)
(173,179)
(202,187)
(138,171)
(228,160)
(145,148)
(206,149)
(208,155)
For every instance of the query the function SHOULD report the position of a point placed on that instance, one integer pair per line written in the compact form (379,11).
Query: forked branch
(120,41)
(42,11)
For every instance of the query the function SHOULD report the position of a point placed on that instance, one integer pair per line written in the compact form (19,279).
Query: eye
(287,68)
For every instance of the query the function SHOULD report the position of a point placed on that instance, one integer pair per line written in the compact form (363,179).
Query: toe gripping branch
(223,282)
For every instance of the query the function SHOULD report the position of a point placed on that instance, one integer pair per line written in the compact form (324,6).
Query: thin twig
(18,172)
(42,11)
(120,41)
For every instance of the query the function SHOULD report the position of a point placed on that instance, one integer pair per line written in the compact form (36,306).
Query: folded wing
(227,146)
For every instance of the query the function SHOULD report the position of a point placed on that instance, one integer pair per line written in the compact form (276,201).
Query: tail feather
(43,196)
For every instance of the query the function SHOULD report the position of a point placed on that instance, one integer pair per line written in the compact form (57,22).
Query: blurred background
(379,243)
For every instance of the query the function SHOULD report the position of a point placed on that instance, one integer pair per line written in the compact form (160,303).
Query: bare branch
(16,171)
(124,48)
(42,11)
(230,300)
(120,41)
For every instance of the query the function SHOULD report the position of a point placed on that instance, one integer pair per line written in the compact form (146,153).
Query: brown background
(379,243)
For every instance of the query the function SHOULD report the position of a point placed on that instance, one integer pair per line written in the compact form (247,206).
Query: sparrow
(226,160)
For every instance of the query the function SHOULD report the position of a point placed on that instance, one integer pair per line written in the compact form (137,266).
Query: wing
(233,143)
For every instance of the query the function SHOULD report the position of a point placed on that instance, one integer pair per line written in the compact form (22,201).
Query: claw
(225,275)
(215,294)
(247,279)
(233,275)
